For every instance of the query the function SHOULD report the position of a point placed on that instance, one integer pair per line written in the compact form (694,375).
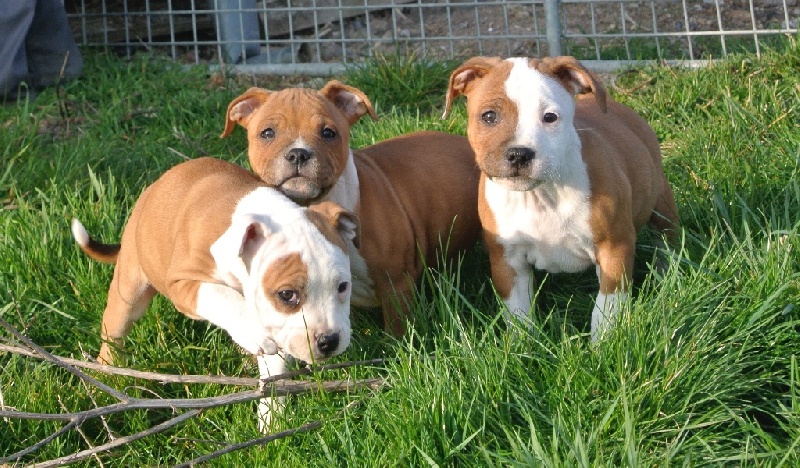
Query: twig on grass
(26,451)
(119,441)
(191,379)
(313,425)
(278,385)
(78,427)
(288,388)
(71,369)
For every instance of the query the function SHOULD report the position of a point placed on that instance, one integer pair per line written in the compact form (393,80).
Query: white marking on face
(300,143)
(324,309)
(556,144)
(606,308)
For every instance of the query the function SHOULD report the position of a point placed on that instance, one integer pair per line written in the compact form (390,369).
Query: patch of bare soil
(434,27)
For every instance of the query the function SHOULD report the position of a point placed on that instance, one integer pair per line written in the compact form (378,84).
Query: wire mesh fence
(318,36)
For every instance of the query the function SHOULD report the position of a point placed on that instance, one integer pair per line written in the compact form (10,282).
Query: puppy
(413,194)
(224,247)
(566,181)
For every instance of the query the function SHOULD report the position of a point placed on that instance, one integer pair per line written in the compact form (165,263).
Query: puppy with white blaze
(224,247)
(568,177)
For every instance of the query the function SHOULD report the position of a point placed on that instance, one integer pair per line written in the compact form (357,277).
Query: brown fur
(628,186)
(417,190)
(287,273)
(165,244)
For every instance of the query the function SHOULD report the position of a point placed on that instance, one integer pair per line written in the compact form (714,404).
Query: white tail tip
(79,232)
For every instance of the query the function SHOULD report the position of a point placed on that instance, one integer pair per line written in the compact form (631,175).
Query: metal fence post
(237,29)
(553,26)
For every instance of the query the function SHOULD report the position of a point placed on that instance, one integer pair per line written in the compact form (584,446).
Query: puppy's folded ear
(329,216)
(463,76)
(242,107)
(233,252)
(353,102)
(575,77)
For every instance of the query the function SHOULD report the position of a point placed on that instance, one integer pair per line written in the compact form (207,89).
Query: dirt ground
(512,31)
(442,31)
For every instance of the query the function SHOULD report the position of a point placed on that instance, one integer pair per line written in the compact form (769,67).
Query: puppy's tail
(106,253)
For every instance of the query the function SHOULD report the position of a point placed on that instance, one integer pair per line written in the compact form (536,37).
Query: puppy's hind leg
(128,298)
(664,220)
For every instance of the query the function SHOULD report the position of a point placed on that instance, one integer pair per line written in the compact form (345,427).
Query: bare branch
(72,370)
(119,441)
(78,427)
(190,379)
(266,439)
(283,388)
(279,385)
(64,429)
(313,425)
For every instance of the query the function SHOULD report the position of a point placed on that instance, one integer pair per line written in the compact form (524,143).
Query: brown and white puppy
(412,194)
(224,247)
(566,182)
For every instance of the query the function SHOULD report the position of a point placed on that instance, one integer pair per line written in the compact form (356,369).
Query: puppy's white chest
(547,227)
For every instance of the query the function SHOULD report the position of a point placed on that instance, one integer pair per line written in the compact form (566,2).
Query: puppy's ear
(575,77)
(241,108)
(233,252)
(464,76)
(353,103)
(326,215)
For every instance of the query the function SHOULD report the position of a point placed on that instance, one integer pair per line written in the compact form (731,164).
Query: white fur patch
(270,366)
(79,232)
(519,302)
(345,192)
(606,308)
(226,308)
(556,145)
(300,143)
(324,310)
(547,227)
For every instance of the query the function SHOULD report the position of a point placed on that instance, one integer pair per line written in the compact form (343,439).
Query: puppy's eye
(549,117)
(328,133)
(289,296)
(489,117)
(343,287)
(268,133)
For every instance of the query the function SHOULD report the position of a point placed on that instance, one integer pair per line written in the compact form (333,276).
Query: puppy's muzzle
(328,343)
(519,156)
(298,156)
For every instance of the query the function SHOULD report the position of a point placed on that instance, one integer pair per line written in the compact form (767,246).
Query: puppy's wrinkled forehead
(520,79)
(300,107)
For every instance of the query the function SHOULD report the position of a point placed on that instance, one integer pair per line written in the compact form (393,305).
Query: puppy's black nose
(298,156)
(518,156)
(328,343)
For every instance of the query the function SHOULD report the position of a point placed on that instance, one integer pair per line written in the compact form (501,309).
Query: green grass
(702,370)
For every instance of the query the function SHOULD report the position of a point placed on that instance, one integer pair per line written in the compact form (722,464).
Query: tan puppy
(566,183)
(412,193)
(223,247)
